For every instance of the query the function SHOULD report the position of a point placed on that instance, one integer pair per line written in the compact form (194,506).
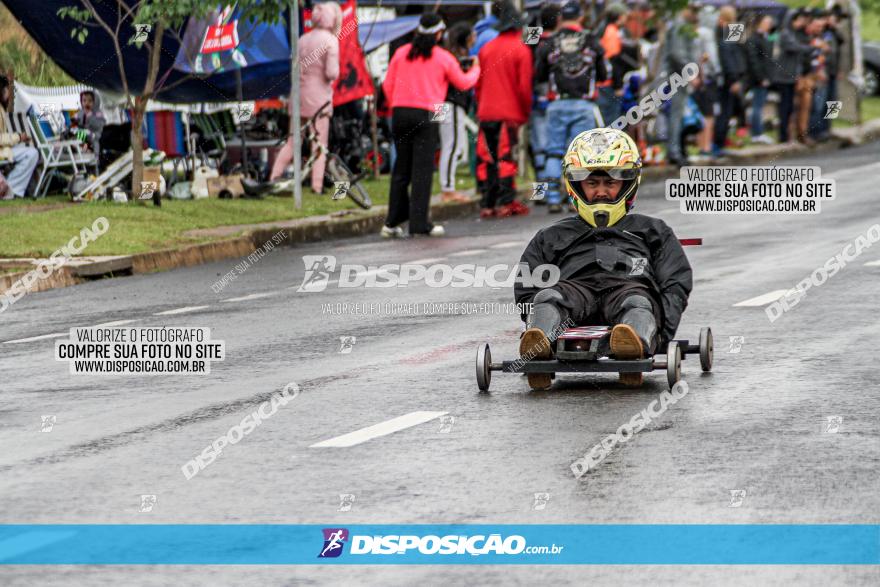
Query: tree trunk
(140,109)
(137,150)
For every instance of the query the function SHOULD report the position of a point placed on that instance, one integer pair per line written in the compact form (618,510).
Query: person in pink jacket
(415,86)
(319,68)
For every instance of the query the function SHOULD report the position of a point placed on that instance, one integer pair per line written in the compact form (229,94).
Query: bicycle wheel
(339,172)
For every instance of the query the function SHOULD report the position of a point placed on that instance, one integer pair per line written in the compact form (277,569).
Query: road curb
(358,223)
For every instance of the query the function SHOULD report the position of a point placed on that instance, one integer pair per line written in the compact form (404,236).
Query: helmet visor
(623,174)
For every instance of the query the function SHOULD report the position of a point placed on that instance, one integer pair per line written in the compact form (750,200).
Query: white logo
(833,109)
(532,34)
(655,99)
(147,503)
(55,261)
(736,498)
(340,189)
(541,501)
(638,265)
(735,32)
(320,267)
(446,423)
(148,188)
(346,344)
(47,111)
(440,112)
(346,500)
(318,270)
(243,112)
(141,32)
(236,433)
(539,190)
(736,344)
(48,422)
(832,424)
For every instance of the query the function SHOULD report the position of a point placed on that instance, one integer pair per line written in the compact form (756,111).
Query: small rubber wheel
(673,363)
(707,349)
(484,375)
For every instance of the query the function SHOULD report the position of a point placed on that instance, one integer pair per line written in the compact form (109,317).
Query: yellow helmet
(607,150)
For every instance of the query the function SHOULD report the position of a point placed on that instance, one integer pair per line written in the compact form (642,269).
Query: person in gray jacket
(792,52)
(681,47)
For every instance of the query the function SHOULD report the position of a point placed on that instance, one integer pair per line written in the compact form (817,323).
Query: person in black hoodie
(793,48)
(733,68)
(759,53)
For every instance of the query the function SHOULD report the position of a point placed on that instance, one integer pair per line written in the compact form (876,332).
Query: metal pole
(294,103)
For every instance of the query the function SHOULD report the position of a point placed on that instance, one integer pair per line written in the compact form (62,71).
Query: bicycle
(345,182)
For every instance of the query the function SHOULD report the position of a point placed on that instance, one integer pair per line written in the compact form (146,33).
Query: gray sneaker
(391,232)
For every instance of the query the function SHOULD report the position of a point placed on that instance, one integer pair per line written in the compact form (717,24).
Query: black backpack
(572,55)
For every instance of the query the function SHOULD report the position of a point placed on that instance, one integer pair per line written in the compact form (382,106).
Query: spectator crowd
(557,73)
(568,73)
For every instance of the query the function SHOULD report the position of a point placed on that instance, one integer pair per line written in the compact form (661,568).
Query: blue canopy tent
(375,34)
(92,62)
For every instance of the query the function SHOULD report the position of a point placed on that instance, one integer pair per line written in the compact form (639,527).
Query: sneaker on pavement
(437,231)
(487,213)
(534,345)
(391,232)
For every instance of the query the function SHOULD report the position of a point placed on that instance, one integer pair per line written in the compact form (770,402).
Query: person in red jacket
(504,102)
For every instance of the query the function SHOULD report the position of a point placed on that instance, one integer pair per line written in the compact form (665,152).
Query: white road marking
(508,245)
(873,263)
(468,253)
(254,296)
(61,334)
(183,310)
(42,337)
(381,429)
(331,282)
(762,300)
(116,323)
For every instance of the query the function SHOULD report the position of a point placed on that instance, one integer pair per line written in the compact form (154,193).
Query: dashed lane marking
(762,300)
(378,430)
(41,337)
(183,310)
(253,296)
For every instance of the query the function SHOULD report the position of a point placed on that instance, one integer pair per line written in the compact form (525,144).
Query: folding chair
(56,155)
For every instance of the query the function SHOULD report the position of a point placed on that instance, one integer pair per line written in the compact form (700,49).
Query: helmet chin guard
(610,152)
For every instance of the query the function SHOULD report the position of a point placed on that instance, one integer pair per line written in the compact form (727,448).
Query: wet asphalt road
(759,423)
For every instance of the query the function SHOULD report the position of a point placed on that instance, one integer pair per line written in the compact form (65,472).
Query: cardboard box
(152,174)
(225,183)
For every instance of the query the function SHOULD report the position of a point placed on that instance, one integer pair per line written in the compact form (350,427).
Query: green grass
(20,53)
(136,228)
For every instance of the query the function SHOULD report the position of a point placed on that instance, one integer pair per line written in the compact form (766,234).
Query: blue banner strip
(264,544)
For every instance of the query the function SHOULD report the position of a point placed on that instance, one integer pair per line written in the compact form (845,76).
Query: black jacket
(576,247)
(793,48)
(759,57)
(731,58)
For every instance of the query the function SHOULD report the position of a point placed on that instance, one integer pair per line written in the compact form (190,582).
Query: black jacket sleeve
(601,70)
(542,68)
(533,256)
(672,272)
